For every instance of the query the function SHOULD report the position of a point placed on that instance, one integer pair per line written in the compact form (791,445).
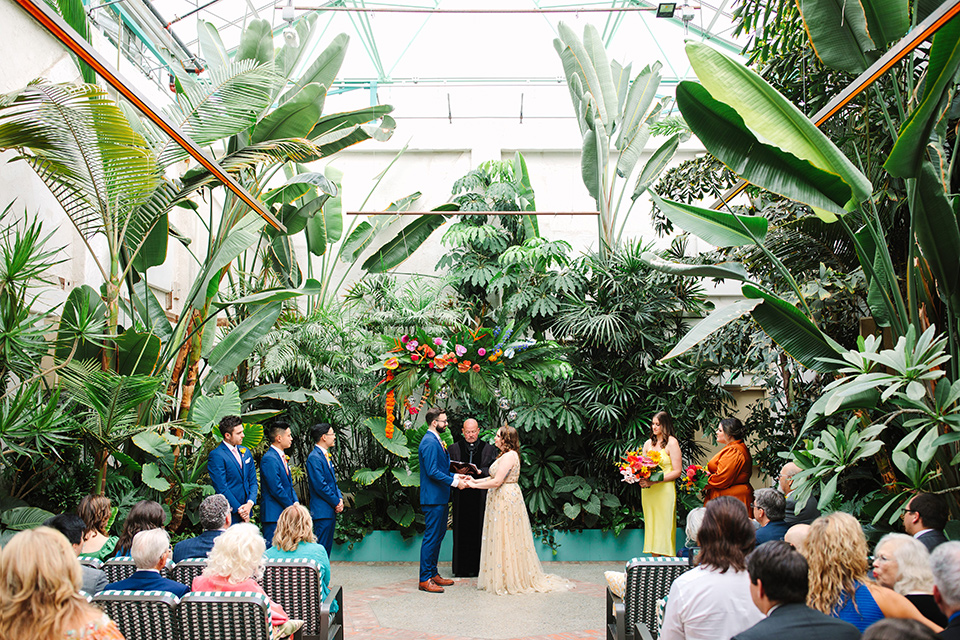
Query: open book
(466,468)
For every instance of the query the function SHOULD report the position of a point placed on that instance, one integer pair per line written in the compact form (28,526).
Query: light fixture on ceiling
(666,9)
(290,35)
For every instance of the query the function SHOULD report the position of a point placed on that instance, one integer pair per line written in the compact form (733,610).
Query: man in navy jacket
(326,501)
(214,518)
(232,470)
(275,478)
(150,551)
(435,483)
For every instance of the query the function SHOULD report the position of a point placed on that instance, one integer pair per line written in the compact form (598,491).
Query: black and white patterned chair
(219,615)
(294,584)
(186,570)
(648,580)
(141,614)
(122,567)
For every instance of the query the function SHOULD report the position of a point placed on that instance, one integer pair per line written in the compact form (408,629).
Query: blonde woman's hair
(293,527)
(237,554)
(40,580)
(836,552)
(913,563)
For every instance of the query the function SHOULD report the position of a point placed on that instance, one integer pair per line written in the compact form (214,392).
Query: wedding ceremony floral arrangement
(488,365)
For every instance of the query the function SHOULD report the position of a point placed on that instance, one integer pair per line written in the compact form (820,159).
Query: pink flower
(403,338)
(691,473)
(481,352)
(460,350)
(415,357)
(438,341)
(412,345)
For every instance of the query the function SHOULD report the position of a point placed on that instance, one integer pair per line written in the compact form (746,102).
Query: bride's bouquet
(638,465)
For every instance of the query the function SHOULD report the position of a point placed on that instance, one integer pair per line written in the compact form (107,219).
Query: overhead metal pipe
(63,32)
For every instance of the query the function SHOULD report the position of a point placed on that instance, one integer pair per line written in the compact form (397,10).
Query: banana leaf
(407,241)
(716,227)
(838,33)
(711,324)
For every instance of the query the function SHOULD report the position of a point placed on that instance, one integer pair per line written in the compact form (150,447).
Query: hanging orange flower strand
(391,405)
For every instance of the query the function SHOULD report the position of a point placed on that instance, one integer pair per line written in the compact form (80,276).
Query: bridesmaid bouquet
(637,465)
(692,484)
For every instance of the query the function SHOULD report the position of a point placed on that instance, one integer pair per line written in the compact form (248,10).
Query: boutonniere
(287,457)
(242,450)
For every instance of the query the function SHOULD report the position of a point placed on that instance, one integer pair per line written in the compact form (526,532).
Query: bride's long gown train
(508,560)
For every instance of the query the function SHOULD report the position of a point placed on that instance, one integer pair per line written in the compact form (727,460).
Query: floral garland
(436,363)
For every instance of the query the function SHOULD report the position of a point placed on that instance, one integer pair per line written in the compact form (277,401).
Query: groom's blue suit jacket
(435,476)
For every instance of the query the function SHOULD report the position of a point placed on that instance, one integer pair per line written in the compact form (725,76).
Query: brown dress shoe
(430,587)
(443,582)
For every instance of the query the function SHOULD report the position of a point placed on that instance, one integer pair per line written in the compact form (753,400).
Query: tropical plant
(608,104)
(733,107)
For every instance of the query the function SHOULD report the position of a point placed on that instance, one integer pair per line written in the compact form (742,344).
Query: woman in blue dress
(836,552)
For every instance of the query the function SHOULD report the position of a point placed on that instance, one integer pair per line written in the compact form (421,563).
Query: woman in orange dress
(731,468)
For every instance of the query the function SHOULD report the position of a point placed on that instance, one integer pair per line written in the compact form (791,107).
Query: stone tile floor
(381,600)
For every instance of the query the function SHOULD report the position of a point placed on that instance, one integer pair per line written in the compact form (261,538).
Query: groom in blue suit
(232,470)
(435,483)
(275,478)
(326,501)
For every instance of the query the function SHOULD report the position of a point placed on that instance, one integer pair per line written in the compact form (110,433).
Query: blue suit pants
(435,519)
(323,530)
(268,530)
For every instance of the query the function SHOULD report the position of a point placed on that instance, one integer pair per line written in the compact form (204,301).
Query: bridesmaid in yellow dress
(508,559)
(660,498)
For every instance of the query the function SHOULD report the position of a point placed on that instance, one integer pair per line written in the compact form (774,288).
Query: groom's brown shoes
(443,582)
(431,587)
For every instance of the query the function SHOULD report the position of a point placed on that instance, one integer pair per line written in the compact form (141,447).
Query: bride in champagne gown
(508,560)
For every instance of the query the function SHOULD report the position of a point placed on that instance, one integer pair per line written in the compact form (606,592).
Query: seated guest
(144,516)
(924,518)
(898,629)
(836,551)
(40,597)
(294,538)
(72,526)
(902,563)
(945,565)
(778,586)
(95,513)
(768,509)
(797,536)
(215,518)
(235,564)
(694,520)
(150,551)
(712,600)
(809,512)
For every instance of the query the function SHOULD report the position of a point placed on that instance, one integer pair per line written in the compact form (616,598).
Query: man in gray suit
(72,526)
(778,586)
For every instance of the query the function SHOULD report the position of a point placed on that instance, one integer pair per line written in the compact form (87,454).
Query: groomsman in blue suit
(150,550)
(435,483)
(232,470)
(275,478)
(326,501)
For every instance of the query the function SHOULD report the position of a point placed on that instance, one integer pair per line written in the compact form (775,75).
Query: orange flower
(476,368)
(464,366)
(492,358)
(391,363)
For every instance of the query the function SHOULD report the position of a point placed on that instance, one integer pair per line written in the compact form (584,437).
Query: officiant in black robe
(469,504)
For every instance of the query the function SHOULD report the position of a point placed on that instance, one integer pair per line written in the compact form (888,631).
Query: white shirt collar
(920,533)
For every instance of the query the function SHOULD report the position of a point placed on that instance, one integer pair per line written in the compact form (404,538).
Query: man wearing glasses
(435,483)
(924,518)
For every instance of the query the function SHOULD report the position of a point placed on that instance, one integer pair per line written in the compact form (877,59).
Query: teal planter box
(589,545)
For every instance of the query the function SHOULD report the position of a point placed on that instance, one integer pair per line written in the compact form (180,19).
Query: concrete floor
(381,600)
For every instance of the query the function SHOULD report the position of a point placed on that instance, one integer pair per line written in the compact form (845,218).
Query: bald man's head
(786,477)
(797,536)
(471,430)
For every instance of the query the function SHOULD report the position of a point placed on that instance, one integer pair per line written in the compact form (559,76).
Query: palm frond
(231,100)
(84,149)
